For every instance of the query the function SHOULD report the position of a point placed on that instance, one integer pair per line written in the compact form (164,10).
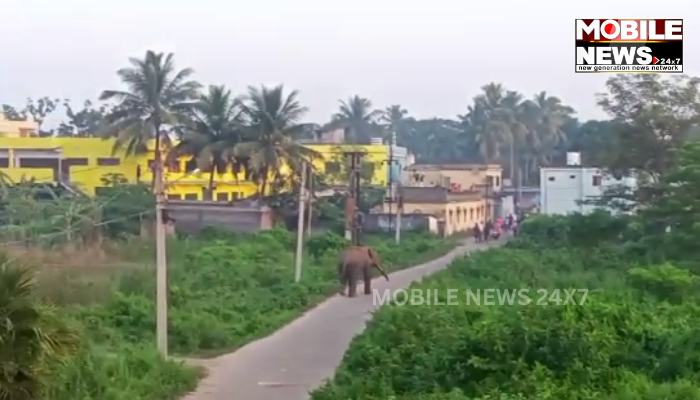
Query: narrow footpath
(299,357)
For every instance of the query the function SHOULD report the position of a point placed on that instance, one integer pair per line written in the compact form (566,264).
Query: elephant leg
(353,275)
(343,275)
(367,277)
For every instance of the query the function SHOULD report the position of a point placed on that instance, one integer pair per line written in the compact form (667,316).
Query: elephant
(355,261)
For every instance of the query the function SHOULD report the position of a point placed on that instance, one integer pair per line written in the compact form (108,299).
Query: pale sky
(429,56)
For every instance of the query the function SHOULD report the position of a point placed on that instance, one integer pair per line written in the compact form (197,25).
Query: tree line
(260,130)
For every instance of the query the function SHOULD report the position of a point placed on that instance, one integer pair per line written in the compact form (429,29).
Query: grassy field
(224,291)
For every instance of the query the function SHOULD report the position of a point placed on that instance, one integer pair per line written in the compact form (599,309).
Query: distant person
(510,221)
(488,227)
(476,231)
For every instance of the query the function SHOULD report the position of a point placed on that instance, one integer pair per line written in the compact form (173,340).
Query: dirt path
(296,359)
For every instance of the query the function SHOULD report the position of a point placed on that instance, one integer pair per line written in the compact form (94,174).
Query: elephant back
(359,255)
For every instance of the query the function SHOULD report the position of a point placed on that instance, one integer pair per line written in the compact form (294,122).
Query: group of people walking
(494,229)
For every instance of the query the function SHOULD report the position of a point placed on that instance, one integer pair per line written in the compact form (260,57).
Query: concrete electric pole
(300,223)
(399,211)
(352,227)
(161,260)
(310,198)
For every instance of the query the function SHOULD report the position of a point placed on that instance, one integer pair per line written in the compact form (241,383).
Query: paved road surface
(296,359)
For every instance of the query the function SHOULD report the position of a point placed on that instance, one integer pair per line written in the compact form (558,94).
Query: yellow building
(17,129)
(457,211)
(84,163)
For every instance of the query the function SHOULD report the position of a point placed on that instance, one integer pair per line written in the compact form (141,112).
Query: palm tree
(510,112)
(31,335)
(488,132)
(157,96)
(358,118)
(545,117)
(394,118)
(272,123)
(212,134)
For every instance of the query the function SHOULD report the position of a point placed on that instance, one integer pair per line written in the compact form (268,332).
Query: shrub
(633,338)
(224,291)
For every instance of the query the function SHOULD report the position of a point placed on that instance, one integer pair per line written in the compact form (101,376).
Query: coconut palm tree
(488,132)
(395,121)
(510,113)
(544,117)
(157,96)
(357,116)
(273,121)
(31,335)
(212,134)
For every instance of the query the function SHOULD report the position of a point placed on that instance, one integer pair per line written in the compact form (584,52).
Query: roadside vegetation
(95,300)
(634,337)
(77,284)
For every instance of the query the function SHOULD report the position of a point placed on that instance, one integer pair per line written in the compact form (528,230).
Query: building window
(551,179)
(332,167)
(222,197)
(234,195)
(4,162)
(191,196)
(75,161)
(572,176)
(190,165)
(597,180)
(174,197)
(174,166)
(108,162)
(498,181)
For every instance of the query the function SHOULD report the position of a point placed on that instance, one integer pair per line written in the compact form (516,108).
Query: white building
(561,189)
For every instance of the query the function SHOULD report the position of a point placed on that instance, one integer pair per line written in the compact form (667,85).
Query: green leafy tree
(652,116)
(85,122)
(38,110)
(124,205)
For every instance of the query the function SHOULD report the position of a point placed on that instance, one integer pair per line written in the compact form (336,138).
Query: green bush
(635,337)
(224,291)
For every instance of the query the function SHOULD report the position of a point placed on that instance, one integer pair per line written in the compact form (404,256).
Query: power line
(52,176)
(100,206)
(69,230)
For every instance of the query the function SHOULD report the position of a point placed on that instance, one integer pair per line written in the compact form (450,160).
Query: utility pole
(310,196)
(352,227)
(161,260)
(520,188)
(391,187)
(350,201)
(399,211)
(300,223)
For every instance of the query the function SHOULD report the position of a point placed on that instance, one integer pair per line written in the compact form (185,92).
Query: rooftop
(452,167)
(436,195)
